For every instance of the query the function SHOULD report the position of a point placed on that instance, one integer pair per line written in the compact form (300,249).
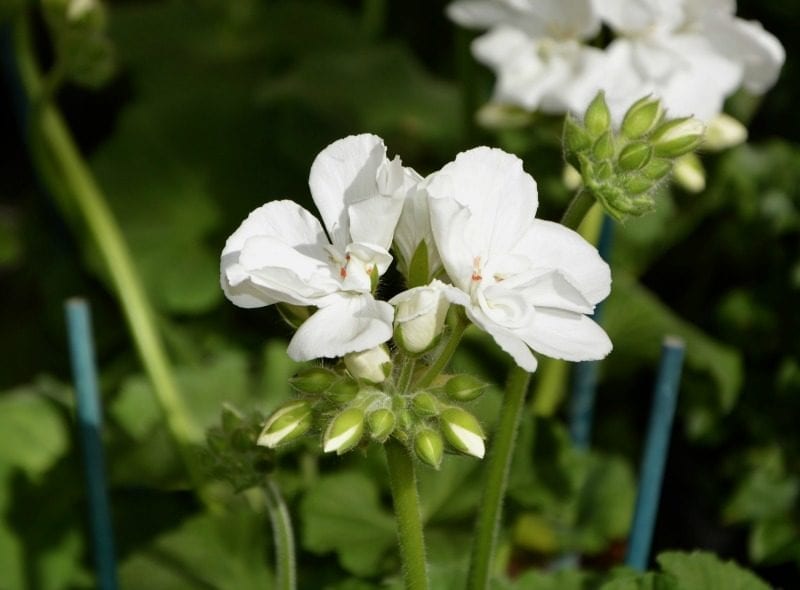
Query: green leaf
(705,570)
(763,494)
(647,581)
(561,580)
(342,513)
(774,541)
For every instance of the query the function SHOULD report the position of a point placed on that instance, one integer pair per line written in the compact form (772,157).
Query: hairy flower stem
(577,209)
(406,373)
(497,469)
(67,175)
(407,512)
(283,535)
(450,346)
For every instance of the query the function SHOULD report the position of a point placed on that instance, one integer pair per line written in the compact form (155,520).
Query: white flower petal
(414,227)
(549,245)
(374,220)
(352,324)
(565,335)
(479,14)
(345,173)
(472,442)
(509,342)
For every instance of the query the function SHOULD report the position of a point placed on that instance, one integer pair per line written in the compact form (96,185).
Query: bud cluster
(622,169)
(358,401)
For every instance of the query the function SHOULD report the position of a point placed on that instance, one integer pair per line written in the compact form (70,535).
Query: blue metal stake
(89,424)
(665,399)
(584,375)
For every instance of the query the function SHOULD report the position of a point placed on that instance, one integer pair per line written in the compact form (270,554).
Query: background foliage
(216,107)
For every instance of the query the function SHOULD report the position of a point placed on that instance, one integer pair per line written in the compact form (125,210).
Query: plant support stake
(665,398)
(89,427)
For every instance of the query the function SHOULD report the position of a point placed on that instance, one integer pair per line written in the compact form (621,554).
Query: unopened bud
(724,132)
(571,177)
(689,173)
(429,446)
(343,390)
(634,156)
(425,404)
(678,137)
(576,140)
(419,318)
(656,169)
(313,380)
(294,315)
(494,115)
(642,117)
(286,424)
(603,148)
(464,388)
(344,431)
(637,184)
(373,365)
(597,119)
(381,424)
(463,432)
(231,418)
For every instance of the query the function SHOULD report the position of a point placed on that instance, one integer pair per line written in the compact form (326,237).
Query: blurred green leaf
(648,581)
(341,513)
(705,570)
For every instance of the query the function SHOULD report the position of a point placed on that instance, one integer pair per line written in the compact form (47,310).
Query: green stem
(406,373)
(497,469)
(440,362)
(283,536)
(63,169)
(577,209)
(408,515)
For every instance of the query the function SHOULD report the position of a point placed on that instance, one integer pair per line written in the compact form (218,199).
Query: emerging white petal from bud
(373,365)
(689,173)
(419,318)
(344,432)
(463,431)
(286,424)
(724,132)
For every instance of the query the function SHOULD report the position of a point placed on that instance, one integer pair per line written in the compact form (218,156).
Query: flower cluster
(689,53)
(465,236)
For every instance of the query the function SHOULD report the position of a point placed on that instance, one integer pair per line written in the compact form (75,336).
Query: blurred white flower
(536,48)
(529,283)
(281,253)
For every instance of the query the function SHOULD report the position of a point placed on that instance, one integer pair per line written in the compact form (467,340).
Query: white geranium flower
(281,253)
(536,48)
(692,54)
(529,283)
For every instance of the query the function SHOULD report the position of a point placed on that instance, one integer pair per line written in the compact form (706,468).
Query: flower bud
(419,318)
(381,424)
(286,424)
(429,447)
(603,148)
(494,115)
(571,177)
(637,184)
(343,391)
(313,380)
(576,140)
(464,388)
(373,365)
(294,315)
(344,431)
(689,173)
(678,137)
(634,156)
(642,117)
(724,132)
(463,432)
(231,418)
(597,119)
(656,169)
(425,404)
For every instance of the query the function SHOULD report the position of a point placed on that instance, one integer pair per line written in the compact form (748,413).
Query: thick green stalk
(499,463)
(408,515)
(440,362)
(406,373)
(63,169)
(283,535)
(577,209)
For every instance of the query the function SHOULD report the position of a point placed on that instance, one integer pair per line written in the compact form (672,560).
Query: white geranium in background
(529,283)
(691,54)
(281,253)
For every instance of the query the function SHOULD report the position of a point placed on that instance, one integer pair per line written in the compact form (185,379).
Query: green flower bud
(637,184)
(634,156)
(464,388)
(373,365)
(231,418)
(381,424)
(576,140)
(603,148)
(344,431)
(289,422)
(242,440)
(689,173)
(604,170)
(642,117)
(463,432)
(313,380)
(294,315)
(425,404)
(343,391)
(656,169)
(429,446)
(678,137)
(597,119)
